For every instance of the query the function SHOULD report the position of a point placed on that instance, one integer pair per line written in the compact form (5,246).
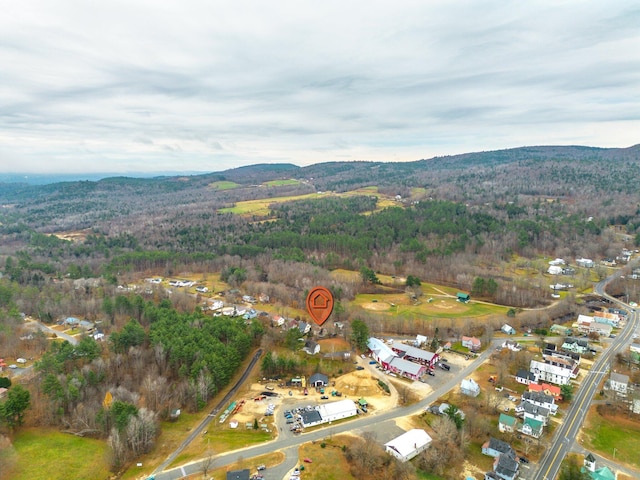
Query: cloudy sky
(156,86)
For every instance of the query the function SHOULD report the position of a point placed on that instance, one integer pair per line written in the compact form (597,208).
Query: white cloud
(157,86)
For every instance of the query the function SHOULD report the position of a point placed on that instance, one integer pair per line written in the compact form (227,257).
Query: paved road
(369,420)
(565,435)
(196,431)
(72,340)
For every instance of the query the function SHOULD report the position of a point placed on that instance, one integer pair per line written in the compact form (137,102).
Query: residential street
(564,437)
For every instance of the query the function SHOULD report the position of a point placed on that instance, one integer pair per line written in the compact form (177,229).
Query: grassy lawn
(604,434)
(427,476)
(48,454)
(328,463)
(224,185)
(439,307)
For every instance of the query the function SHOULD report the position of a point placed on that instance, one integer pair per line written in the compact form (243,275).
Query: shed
(318,380)
(508,329)
(463,297)
(408,445)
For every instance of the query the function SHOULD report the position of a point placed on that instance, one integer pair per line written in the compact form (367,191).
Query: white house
(554,270)
(556,262)
(635,347)
(408,445)
(511,345)
(531,427)
(526,377)
(311,347)
(541,399)
(547,372)
(469,387)
(472,343)
(585,262)
(534,412)
(619,383)
(507,423)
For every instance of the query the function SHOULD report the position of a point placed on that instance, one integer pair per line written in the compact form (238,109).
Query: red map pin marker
(319,304)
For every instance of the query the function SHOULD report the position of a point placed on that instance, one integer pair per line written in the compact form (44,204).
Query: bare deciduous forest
(455,220)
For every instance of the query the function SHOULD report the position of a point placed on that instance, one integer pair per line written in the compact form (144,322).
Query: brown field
(336,344)
(328,463)
(376,306)
(73,235)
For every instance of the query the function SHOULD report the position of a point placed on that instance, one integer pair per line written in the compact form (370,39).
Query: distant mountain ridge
(334,175)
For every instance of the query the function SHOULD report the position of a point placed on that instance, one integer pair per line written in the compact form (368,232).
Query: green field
(224,185)
(604,434)
(262,208)
(281,183)
(441,306)
(51,455)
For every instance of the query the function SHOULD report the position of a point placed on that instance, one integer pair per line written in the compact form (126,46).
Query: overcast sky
(153,86)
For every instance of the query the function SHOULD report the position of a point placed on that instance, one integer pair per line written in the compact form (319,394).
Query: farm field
(224,185)
(261,207)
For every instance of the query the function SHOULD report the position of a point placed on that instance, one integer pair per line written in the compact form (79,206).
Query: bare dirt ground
(361,384)
(376,306)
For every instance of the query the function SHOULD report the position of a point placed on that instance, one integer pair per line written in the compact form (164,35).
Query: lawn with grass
(427,476)
(49,454)
(603,435)
(399,305)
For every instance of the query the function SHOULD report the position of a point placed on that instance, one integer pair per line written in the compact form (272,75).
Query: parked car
(373,362)
(430,372)
(444,366)
(324,397)
(523,459)
(261,467)
(359,368)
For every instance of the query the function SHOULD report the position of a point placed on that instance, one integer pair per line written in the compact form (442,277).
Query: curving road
(549,466)
(360,423)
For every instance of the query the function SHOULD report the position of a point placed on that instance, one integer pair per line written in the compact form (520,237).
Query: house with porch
(472,343)
(469,387)
(532,428)
(548,389)
(619,383)
(507,423)
(542,400)
(494,447)
(506,466)
(575,345)
(534,412)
